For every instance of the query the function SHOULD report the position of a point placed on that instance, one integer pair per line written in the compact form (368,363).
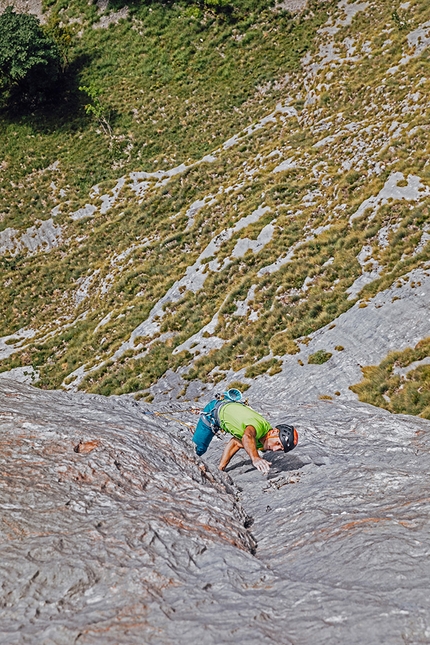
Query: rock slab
(113,532)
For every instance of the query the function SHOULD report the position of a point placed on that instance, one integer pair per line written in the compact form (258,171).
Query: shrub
(275,369)
(96,108)
(281,344)
(261,368)
(320,357)
(62,35)
(239,385)
(408,394)
(29,59)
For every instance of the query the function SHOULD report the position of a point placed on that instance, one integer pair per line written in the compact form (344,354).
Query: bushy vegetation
(272,366)
(320,357)
(30,60)
(398,385)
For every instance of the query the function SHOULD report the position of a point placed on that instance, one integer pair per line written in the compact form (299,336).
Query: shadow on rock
(279,463)
(240,464)
(282,463)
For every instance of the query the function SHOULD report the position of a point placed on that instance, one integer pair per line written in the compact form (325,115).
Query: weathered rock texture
(111,532)
(23,6)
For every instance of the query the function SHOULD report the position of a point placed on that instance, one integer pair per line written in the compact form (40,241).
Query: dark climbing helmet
(288,436)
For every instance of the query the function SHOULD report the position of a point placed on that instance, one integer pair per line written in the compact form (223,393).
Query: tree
(96,108)
(30,60)
(62,35)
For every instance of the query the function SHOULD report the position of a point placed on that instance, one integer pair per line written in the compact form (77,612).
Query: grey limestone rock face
(113,532)
(23,6)
(343,523)
(396,318)
(45,237)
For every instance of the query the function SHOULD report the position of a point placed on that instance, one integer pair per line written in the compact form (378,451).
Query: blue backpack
(208,424)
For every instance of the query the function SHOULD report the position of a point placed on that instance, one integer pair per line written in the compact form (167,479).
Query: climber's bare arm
(249,443)
(231,449)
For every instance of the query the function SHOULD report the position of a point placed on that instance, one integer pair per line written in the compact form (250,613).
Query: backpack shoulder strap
(212,417)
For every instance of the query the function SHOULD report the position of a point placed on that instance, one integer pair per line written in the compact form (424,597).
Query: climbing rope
(167,415)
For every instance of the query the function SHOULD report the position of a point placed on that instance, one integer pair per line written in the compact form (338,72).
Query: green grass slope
(245,247)
(401,383)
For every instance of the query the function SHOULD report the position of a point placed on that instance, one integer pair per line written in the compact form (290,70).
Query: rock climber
(248,428)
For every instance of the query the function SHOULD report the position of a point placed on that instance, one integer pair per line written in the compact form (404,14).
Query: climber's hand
(262,465)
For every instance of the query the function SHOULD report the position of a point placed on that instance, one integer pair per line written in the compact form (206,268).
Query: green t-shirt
(235,417)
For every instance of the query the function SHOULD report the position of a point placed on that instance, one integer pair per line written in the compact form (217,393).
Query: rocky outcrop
(299,231)
(112,532)
(24,6)
(42,238)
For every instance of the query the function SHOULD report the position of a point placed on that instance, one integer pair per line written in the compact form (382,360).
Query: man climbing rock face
(248,428)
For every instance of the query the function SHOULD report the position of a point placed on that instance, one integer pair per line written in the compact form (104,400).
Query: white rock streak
(109,200)
(84,285)
(418,40)
(104,321)
(25,374)
(412,192)
(203,341)
(287,164)
(350,10)
(243,305)
(193,280)
(371,271)
(14,342)
(195,207)
(245,244)
(111,18)
(142,180)
(425,239)
(280,262)
(87,211)
(284,110)
(42,238)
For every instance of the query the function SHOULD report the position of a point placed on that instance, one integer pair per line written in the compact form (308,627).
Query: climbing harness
(212,415)
(209,424)
(229,396)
